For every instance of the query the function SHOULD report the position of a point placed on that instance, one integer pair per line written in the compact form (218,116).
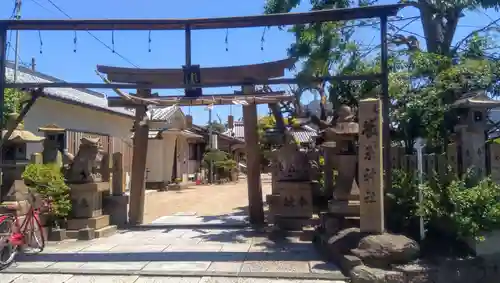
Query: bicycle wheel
(33,233)
(8,251)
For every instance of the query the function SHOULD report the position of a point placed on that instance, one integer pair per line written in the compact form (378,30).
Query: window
(59,138)
(193,151)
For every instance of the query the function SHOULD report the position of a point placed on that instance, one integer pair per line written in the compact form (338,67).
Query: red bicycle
(21,235)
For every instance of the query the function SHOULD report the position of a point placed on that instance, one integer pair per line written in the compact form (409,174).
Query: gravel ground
(206,200)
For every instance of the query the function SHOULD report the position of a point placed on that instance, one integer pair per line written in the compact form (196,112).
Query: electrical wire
(95,37)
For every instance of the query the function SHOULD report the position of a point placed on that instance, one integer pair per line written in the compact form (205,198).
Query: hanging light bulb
(149,42)
(262,39)
(227,42)
(41,42)
(113,41)
(75,41)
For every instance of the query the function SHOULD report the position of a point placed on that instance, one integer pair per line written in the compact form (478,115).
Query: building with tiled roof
(304,135)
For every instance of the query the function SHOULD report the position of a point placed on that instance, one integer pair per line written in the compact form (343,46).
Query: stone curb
(136,272)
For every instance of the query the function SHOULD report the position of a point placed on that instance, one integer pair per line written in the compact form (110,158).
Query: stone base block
(106,231)
(344,208)
(117,208)
(86,234)
(94,222)
(87,199)
(72,234)
(56,235)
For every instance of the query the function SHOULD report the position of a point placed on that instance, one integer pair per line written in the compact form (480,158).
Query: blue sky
(167,47)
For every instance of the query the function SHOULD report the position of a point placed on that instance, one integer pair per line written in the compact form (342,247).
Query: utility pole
(16,51)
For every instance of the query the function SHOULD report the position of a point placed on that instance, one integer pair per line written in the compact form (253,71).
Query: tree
(422,83)
(217,126)
(12,102)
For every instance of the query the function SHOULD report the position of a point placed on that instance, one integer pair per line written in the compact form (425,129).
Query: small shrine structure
(15,158)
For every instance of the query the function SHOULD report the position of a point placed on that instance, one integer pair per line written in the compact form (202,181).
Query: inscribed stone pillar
(328,158)
(117,181)
(255,203)
(371,166)
(140,150)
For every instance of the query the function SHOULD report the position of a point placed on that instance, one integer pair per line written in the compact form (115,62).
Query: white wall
(46,111)
(160,159)
(154,161)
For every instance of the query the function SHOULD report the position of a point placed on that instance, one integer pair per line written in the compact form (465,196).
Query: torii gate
(248,96)
(237,79)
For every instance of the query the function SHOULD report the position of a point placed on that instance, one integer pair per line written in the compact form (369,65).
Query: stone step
(97,222)
(344,208)
(106,231)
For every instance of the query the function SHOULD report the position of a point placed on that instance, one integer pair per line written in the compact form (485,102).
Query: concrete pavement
(176,255)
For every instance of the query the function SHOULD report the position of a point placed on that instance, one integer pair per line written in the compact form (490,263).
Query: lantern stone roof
(477,99)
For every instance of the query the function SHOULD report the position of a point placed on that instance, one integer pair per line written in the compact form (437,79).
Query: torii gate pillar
(140,151)
(255,203)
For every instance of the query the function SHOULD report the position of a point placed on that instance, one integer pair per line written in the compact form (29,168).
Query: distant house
(173,150)
(234,146)
(81,112)
(303,135)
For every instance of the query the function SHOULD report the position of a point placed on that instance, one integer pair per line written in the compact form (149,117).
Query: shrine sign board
(295,199)
(192,75)
(371,168)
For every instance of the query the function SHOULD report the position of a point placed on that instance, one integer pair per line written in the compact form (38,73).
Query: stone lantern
(15,158)
(340,154)
(470,130)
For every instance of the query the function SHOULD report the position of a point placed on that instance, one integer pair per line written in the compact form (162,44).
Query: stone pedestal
(87,219)
(86,199)
(117,208)
(292,203)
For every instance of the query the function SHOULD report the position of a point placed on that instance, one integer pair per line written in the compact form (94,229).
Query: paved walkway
(176,255)
(206,200)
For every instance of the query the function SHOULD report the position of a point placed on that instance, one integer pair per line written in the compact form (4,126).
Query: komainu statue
(85,165)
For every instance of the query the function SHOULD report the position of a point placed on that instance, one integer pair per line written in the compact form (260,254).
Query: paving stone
(138,248)
(98,247)
(275,266)
(202,247)
(102,279)
(324,267)
(66,265)
(235,247)
(32,264)
(124,265)
(8,277)
(225,266)
(168,279)
(42,278)
(177,266)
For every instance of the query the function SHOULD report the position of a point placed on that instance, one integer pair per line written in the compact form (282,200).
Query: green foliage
(48,181)
(222,162)
(401,204)
(457,210)
(12,102)
(217,127)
